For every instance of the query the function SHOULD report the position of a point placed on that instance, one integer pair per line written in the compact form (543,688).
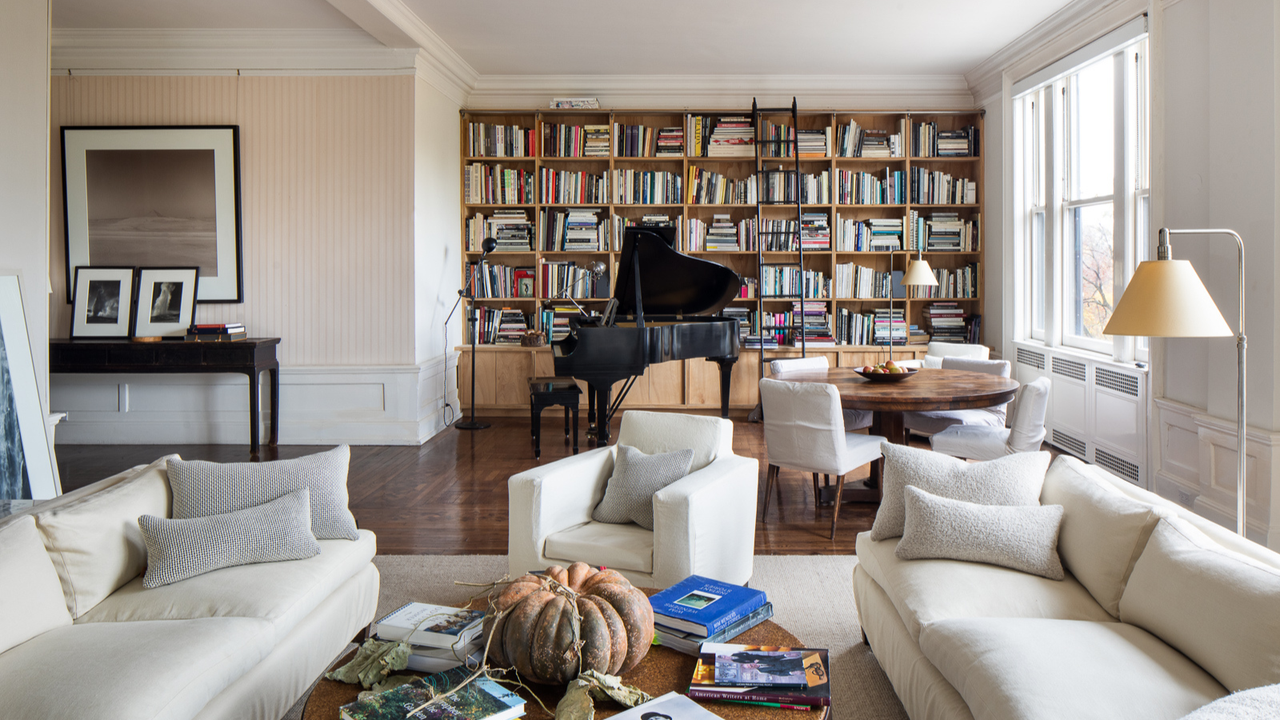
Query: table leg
(254,378)
(889,426)
(274,374)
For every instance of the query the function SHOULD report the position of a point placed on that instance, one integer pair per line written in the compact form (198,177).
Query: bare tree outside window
(1095,269)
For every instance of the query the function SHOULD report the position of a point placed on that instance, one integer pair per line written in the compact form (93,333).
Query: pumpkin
(546,641)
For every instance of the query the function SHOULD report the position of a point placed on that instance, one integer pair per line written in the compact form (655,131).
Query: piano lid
(670,281)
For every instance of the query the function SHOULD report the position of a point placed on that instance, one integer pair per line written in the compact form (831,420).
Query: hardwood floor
(449,496)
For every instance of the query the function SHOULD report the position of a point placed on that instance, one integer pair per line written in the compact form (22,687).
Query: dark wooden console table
(248,357)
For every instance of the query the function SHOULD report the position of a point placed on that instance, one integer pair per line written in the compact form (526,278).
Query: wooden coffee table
(661,671)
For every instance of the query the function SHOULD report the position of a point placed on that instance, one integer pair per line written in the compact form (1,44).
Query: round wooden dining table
(928,389)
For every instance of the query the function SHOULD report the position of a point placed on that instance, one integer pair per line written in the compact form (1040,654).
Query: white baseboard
(382,405)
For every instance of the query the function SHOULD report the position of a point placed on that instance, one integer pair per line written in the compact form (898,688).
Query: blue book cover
(704,606)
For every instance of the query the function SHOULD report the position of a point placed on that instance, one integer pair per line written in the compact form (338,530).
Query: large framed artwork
(158,196)
(26,460)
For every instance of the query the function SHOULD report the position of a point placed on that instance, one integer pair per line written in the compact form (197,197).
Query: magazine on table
(672,706)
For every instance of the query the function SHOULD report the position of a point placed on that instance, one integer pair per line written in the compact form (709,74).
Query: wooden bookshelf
(502,369)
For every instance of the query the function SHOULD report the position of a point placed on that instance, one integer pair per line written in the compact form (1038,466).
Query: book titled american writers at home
(480,699)
(435,626)
(816,690)
(704,606)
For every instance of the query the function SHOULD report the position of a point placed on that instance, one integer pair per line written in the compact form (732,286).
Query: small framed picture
(166,300)
(102,303)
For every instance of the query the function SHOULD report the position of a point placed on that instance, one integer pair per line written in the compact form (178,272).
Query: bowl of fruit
(886,372)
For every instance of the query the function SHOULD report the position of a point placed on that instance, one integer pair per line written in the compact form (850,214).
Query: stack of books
(887,327)
(814,143)
(722,235)
(577,229)
(671,142)
(814,326)
(791,678)
(511,327)
(555,320)
(441,637)
(946,322)
(699,610)
(512,230)
(886,234)
(217,332)
(733,136)
(815,234)
(480,699)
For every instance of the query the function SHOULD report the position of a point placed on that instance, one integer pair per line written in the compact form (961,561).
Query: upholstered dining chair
(703,523)
(983,442)
(933,421)
(804,430)
(853,419)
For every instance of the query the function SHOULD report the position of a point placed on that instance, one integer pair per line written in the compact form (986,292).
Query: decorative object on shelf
(25,451)
(165,301)
(1165,298)
(155,195)
(102,302)
(471,423)
(533,338)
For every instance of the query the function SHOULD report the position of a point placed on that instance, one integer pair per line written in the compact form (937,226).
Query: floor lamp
(487,246)
(918,273)
(1165,298)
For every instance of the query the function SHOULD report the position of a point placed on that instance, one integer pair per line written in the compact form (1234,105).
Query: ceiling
(657,37)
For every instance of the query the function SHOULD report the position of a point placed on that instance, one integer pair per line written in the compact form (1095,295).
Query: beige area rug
(812,597)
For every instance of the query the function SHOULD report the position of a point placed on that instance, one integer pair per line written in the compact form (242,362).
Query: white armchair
(703,524)
(938,350)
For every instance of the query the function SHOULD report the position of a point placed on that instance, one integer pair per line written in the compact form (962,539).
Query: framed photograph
(25,453)
(102,302)
(166,300)
(155,196)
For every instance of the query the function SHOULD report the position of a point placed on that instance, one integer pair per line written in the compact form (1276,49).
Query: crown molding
(1072,27)
(814,92)
(224,52)
(437,63)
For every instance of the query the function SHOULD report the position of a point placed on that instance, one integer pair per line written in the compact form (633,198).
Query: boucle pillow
(1021,538)
(274,531)
(628,497)
(1260,703)
(204,488)
(1011,480)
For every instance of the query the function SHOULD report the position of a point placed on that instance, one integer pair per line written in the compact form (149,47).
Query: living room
(350,147)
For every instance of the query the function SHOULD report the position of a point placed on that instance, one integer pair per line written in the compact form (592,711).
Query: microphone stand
(471,423)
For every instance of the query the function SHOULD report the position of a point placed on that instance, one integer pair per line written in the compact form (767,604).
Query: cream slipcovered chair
(938,350)
(983,442)
(703,524)
(934,421)
(853,419)
(804,430)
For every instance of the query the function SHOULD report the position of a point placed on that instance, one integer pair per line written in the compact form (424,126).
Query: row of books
(855,281)
(498,326)
(872,235)
(647,187)
(864,188)
(642,141)
(721,234)
(573,230)
(854,140)
(495,280)
(779,186)
(959,282)
(928,141)
(788,281)
(561,279)
(811,232)
(484,184)
(934,187)
(216,332)
(707,187)
(560,140)
(943,232)
(485,140)
(571,187)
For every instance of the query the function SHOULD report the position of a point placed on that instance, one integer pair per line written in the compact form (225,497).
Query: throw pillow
(273,531)
(204,488)
(1021,538)
(1260,703)
(1011,480)
(31,599)
(628,496)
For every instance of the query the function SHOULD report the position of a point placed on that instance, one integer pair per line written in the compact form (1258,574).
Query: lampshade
(919,273)
(1165,298)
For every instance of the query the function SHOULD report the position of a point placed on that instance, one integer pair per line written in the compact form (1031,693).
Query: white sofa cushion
(622,547)
(1011,480)
(279,593)
(31,600)
(654,432)
(1019,538)
(133,671)
(926,591)
(1220,608)
(95,542)
(203,488)
(1103,531)
(1033,669)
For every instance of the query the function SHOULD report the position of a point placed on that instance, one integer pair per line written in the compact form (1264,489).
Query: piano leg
(602,415)
(726,379)
(591,411)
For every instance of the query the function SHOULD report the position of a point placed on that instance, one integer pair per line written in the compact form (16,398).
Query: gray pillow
(1011,480)
(204,488)
(179,549)
(1021,538)
(628,497)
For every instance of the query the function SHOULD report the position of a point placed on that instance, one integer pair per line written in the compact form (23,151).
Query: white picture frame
(102,302)
(23,431)
(164,301)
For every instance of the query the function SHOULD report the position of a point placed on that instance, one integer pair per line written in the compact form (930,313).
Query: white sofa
(703,523)
(81,637)
(1160,613)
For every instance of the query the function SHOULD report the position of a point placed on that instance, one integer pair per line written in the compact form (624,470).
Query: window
(1084,200)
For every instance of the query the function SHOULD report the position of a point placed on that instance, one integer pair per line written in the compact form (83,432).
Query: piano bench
(545,392)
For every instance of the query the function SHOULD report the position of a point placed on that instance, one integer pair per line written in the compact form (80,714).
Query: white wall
(24,170)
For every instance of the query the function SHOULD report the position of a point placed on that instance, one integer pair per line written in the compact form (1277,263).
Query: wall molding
(79,51)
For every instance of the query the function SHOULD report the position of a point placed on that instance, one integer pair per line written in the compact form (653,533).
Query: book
(435,626)
(433,660)
(216,337)
(480,699)
(815,691)
(704,606)
(691,643)
(672,706)
(751,668)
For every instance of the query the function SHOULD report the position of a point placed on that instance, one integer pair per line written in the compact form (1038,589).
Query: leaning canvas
(26,462)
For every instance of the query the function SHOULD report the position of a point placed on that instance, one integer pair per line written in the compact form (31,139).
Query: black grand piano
(658,313)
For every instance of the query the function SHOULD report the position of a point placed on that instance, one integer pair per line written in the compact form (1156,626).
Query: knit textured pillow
(179,549)
(1011,480)
(204,488)
(1022,538)
(628,497)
